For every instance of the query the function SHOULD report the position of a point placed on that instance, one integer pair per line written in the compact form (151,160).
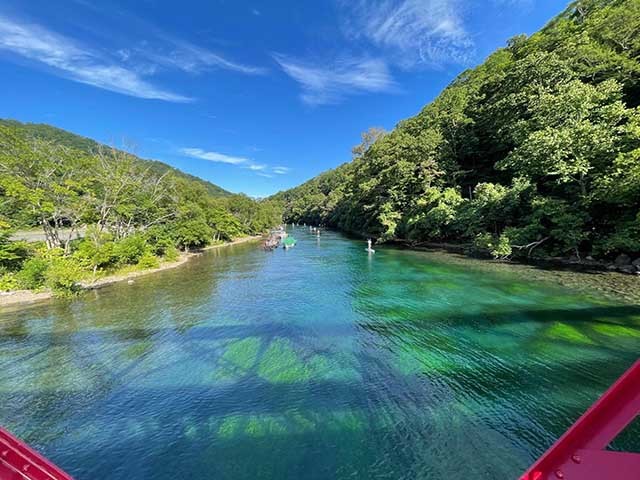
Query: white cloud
(258,168)
(329,83)
(189,58)
(70,60)
(213,156)
(411,32)
(160,48)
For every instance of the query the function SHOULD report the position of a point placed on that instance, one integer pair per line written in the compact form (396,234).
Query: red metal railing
(579,453)
(20,462)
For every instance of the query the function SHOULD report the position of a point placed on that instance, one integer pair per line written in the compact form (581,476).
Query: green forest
(103,210)
(536,152)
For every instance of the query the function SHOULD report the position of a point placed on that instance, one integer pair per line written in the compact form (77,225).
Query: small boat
(288,243)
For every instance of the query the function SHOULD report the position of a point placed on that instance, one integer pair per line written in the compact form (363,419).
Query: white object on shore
(130,282)
(369,249)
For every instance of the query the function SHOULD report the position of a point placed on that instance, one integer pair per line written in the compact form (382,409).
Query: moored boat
(289,242)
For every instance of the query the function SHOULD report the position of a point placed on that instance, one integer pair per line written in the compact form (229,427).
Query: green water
(319,362)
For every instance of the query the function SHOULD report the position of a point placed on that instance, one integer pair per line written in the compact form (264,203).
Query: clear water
(320,362)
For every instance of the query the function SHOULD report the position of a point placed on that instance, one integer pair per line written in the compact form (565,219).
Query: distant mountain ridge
(69,139)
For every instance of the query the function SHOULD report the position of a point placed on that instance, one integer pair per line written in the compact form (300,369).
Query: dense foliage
(102,209)
(534,152)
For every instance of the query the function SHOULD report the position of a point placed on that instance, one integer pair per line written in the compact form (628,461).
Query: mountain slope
(534,152)
(63,137)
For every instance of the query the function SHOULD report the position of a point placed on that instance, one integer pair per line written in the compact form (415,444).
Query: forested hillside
(87,145)
(534,152)
(133,213)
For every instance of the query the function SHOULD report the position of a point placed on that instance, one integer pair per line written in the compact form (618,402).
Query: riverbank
(622,263)
(23,297)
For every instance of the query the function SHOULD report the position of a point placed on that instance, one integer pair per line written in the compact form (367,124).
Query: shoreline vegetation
(25,297)
(74,211)
(622,264)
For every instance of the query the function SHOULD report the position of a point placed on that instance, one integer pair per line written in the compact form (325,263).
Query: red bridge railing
(18,461)
(580,453)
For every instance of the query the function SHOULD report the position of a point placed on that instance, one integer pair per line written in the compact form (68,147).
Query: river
(321,362)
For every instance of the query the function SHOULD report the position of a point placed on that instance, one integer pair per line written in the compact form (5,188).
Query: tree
(371,136)
(47,179)
(572,132)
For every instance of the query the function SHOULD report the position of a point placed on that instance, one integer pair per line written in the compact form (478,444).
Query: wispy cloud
(185,56)
(243,162)
(69,59)
(411,32)
(160,48)
(329,83)
(213,156)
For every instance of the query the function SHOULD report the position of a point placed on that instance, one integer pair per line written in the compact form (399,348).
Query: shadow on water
(240,367)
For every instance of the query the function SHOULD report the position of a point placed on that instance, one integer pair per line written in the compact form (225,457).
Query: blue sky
(254,96)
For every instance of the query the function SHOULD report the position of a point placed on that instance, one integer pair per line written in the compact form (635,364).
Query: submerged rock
(627,269)
(622,259)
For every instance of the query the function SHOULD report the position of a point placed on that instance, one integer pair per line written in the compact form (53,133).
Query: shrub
(625,238)
(497,247)
(501,248)
(63,276)
(148,260)
(171,254)
(12,253)
(33,273)
(481,244)
(130,249)
(9,281)
(96,250)
(160,240)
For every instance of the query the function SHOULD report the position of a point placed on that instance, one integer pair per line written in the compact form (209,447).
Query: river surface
(321,362)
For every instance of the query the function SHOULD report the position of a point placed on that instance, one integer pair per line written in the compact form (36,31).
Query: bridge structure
(581,453)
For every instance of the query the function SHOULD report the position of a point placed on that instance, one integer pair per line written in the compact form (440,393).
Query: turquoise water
(320,362)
